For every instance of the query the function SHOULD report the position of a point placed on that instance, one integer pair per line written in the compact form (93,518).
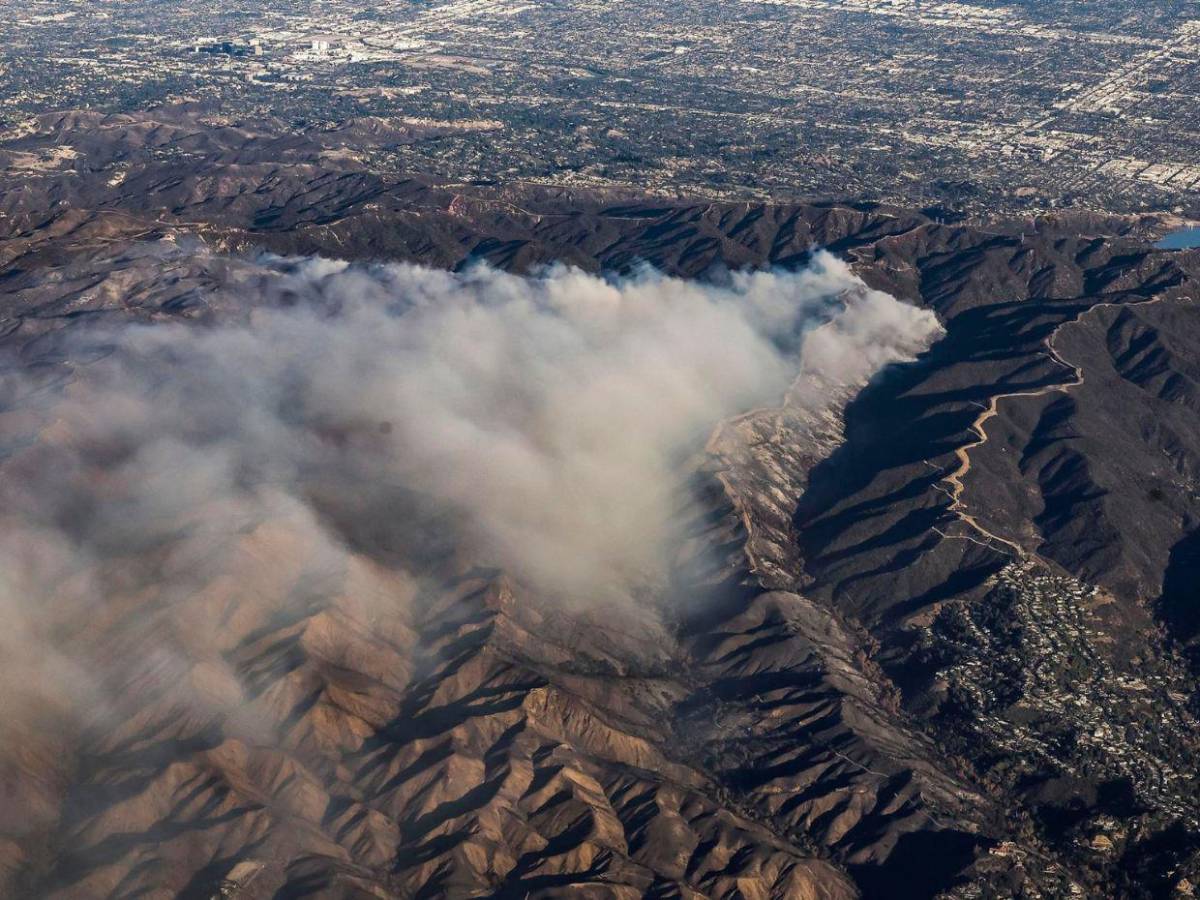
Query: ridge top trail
(954,486)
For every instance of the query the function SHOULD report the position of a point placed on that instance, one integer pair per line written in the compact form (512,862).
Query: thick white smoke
(536,424)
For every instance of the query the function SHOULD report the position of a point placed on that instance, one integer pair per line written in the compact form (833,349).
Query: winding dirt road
(953,482)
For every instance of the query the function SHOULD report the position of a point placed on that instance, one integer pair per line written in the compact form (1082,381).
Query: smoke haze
(536,424)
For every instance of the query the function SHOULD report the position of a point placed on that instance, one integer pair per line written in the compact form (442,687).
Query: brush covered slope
(931,634)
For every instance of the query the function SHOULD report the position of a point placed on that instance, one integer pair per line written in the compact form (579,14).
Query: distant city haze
(967,108)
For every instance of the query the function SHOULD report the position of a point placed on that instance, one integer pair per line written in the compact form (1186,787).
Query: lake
(1183,239)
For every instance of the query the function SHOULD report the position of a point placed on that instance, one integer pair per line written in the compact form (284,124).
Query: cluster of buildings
(1036,673)
(975,108)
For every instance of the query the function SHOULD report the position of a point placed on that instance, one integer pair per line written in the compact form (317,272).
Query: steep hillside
(934,633)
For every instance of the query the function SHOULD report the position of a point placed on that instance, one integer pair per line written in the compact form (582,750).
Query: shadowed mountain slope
(934,635)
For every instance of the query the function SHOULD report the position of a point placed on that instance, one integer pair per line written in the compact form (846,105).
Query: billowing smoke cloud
(536,424)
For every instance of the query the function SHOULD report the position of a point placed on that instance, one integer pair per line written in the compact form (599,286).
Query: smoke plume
(536,424)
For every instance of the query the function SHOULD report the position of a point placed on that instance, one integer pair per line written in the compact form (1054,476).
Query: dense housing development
(1021,106)
(599,450)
